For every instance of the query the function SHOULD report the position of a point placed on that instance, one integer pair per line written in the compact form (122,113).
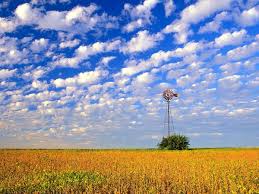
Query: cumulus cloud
(6,73)
(85,79)
(83,52)
(181,29)
(231,68)
(175,74)
(187,79)
(78,130)
(161,56)
(215,25)
(10,53)
(202,9)
(79,19)
(193,15)
(249,17)
(241,111)
(140,85)
(39,44)
(26,14)
(169,7)
(106,60)
(140,15)
(134,25)
(189,48)
(244,51)
(43,2)
(254,83)
(228,38)
(7,25)
(142,42)
(39,85)
(144,78)
(40,94)
(69,43)
(231,82)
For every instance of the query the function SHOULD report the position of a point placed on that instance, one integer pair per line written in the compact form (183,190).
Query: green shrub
(174,142)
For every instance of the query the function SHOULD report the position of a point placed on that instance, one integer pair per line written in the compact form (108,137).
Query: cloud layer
(91,75)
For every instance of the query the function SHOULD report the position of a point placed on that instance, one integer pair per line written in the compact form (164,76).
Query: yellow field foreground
(130,171)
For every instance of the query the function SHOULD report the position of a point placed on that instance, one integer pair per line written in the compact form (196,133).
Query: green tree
(174,142)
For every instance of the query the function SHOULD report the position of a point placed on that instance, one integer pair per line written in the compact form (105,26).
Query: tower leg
(168,117)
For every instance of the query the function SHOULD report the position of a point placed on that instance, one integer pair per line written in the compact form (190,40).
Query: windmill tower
(168,95)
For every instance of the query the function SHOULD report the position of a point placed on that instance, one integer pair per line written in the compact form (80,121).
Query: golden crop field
(130,171)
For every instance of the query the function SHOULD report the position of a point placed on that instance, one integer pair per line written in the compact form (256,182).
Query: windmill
(168,95)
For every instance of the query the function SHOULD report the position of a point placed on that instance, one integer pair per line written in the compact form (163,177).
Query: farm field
(130,171)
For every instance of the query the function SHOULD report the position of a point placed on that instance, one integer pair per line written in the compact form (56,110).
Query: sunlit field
(130,171)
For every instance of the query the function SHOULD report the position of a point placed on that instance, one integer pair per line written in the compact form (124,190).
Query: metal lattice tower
(168,95)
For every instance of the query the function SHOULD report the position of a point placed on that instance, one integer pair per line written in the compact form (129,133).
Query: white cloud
(254,82)
(189,48)
(106,60)
(230,68)
(78,130)
(54,20)
(215,25)
(39,85)
(98,47)
(169,7)
(193,15)
(140,85)
(142,42)
(135,81)
(10,53)
(134,25)
(181,29)
(198,134)
(69,43)
(175,74)
(249,17)
(78,20)
(7,25)
(243,52)
(93,89)
(26,14)
(84,79)
(228,38)
(144,78)
(186,80)
(39,44)
(241,111)
(6,73)
(43,2)
(141,10)
(203,9)
(79,13)
(162,56)
(230,82)
(23,11)
(140,14)
(37,73)
(84,52)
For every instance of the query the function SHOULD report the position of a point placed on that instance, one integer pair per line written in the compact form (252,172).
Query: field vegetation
(130,171)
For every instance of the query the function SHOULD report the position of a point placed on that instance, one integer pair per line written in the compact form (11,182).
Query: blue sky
(89,74)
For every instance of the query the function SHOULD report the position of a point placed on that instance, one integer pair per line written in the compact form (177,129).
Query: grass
(130,171)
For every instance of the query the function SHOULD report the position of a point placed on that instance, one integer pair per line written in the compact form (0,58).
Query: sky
(90,74)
